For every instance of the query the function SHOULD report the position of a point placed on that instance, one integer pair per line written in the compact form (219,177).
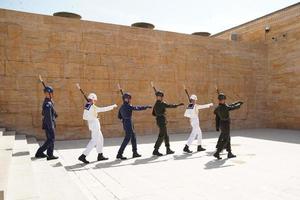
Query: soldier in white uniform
(90,114)
(192,112)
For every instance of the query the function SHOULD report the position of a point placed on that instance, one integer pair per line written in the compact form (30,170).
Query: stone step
(52,179)
(82,175)
(6,148)
(21,181)
(2,130)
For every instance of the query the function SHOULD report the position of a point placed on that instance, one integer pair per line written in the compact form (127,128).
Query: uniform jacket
(91,111)
(222,112)
(49,114)
(192,111)
(125,111)
(159,111)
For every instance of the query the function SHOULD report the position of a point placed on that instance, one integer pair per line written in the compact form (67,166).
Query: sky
(183,16)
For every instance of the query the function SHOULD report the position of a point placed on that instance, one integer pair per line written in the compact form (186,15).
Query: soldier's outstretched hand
(149,106)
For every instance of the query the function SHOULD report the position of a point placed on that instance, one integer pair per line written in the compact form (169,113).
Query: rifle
(152,84)
(217,90)
(78,86)
(41,80)
(187,93)
(120,89)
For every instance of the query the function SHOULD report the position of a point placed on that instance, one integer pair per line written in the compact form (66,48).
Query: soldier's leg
(99,143)
(45,146)
(199,139)
(133,142)
(167,141)
(192,136)
(99,147)
(222,141)
(160,138)
(51,138)
(92,143)
(125,142)
(135,154)
(219,140)
(228,144)
(166,137)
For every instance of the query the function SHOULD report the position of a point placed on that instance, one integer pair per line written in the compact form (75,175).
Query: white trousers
(196,132)
(97,138)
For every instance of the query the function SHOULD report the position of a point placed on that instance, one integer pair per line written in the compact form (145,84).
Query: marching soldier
(223,122)
(159,111)
(90,114)
(192,112)
(125,114)
(49,125)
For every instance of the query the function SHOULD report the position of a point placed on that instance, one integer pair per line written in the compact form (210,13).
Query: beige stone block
(2,67)
(92,59)
(17,54)
(96,72)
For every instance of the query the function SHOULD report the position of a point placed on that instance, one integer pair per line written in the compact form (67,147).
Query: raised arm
(204,106)
(139,108)
(172,105)
(105,109)
(235,105)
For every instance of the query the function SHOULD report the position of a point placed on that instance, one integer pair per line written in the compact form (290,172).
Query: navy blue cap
(48,89)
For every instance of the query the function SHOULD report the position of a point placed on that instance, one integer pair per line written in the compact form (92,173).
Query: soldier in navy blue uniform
(49,125)
(223,122)
(125,114)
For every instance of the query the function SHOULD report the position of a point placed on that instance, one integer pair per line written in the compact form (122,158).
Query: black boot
(40,155)
(200,148)
(136,155)
(169,151)
(101,157)
(230,155)
(121,157)
(186,149)
(82,159)
(217,155)
(52,157)
(156,153)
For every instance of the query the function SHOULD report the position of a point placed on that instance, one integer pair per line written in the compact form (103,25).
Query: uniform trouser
(97,138)
(162,136)
(196,132)
(224,139)
(49,143)
(129,135)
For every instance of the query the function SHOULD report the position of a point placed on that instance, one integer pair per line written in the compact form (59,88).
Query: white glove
(115,105)
(211,104)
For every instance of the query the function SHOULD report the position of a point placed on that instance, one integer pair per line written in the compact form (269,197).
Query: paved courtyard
(267,167)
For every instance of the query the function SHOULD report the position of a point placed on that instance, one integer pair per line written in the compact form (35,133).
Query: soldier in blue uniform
(125,114)
(223,122)
(49,125)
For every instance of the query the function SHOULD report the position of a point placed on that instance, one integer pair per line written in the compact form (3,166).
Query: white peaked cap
(92,96)
(193,97)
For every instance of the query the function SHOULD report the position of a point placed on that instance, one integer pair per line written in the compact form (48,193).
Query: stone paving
(266,167)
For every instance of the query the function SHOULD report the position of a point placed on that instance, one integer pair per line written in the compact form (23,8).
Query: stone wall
(283,69)
(98,56)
